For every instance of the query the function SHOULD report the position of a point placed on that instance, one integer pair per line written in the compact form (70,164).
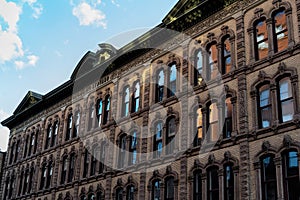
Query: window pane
(197,186)
(199,62)
(281,32)
(213,122)
(100,107)
(213,61)
(130,193)
(172,80)
(285,88)
(169,193)
(269,187)
(156,190)
(261,39)
(199,123)
(226,56)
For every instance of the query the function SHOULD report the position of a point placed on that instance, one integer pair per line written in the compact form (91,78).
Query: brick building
(203,106)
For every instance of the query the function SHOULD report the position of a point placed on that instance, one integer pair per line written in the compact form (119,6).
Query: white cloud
(4,132)
(11,46)
(36,7)
(88,15)
(10,41)
(31,60)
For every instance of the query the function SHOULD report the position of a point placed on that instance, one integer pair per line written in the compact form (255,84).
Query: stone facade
(149,121)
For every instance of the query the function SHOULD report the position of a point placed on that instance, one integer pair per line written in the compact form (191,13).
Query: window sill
(276,57)
(276,129)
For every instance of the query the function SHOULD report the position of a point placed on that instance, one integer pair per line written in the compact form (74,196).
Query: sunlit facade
(205,106)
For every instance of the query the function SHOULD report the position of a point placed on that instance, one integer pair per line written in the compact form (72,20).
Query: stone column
(279,178)
(257,179)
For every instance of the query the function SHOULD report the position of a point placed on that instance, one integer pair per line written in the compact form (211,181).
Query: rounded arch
(279,5)
(266,149)
(226,33)
(259,13)
(263,78)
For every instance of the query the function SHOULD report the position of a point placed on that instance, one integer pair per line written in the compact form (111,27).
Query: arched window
(228,182)
(286,100)
(71,168)
(197,185)
(91,116)
(126,94)
(11,186)
(136,98)
(49,136)
(32,143)
(63,170)
(31,176)
(91,196)
(280,31)
(198,127)
(130,192)
(226,55)
(36,141)
(119,194)
(227,127)
(264,106)
(69,126)
(213,122)
(6,188)
(160,86)
(12,151)
(156,190)
(133,149)
(102,158)
(169,189)
(86,163)
(212,70)
(172,80)
(18,149)
(106,109)
(26,146)
(94,158)
(212,183)
(170,137)
(122,151)
(99,111)
(43,176)
(26,181)
(99,195)
(54,134)
(49,174)
(198,69)
(21,183)
(77,123)
(158,140)
(268,178)
(261,39)
(291,175)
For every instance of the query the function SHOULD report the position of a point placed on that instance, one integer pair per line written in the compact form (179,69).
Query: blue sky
(41,41)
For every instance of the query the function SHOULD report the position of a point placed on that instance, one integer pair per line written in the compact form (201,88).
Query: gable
(30,99)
